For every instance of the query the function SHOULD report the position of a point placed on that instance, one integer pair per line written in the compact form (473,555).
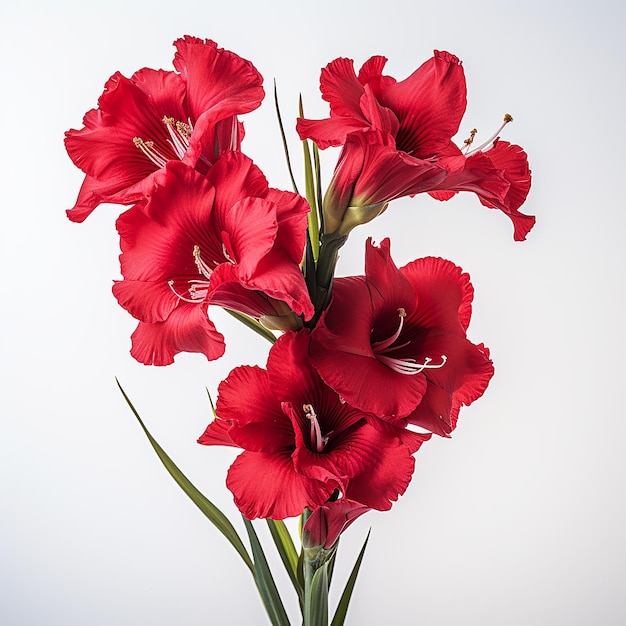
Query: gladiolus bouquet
(318,438)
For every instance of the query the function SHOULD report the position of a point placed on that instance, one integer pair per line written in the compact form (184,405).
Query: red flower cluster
(397,141)
(329,425)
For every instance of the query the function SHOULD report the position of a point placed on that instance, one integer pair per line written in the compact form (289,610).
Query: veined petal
(251,227)
(500,178)
(219,82)
(266,486)
(342,89)
(187,329)
(465,381)
(158,242)
(234,177)
(129,107)
(430,104)
(257,421)
(216,434)
(444,293)
(147,301)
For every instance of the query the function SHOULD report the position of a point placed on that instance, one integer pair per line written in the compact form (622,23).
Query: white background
(516,520)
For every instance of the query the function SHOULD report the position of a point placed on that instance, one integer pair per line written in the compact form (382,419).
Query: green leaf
(215,516)
(287,551)
(251,323)
(282,134)
(342,607)
(264,580)
(318,185)
(309,179)
(316,604)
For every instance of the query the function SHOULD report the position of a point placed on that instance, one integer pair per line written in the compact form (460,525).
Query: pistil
(317,440)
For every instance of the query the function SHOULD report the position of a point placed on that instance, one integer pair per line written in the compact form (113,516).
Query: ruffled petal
(147,301)
(187,329)
(444,294)
(216,434)
(219,82)
(430,104)
(266,486)
(105,150)
(258,423)
(500,178)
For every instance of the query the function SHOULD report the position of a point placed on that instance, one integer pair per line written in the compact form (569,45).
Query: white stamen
(203,268)
(147,147)
(197,291)
(403,365)
(507,119)
(410,366)
(179,135)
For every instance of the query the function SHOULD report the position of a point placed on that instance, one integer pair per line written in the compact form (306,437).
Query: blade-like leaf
(215,516)
(342,607)
(316,603)
(264,580)
(252,324)
(282,134)
(311,196)
(318,185)
(287,551)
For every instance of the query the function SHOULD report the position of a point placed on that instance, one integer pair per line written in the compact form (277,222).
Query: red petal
(219,82)
(187,329)
(258,423)
(216,434)
(444,294)
(129,108)
(266,485)
(429,104)
(147,301)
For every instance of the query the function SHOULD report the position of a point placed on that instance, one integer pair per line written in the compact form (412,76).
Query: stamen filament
(410,366)
(380,346)
(178,141)
(507,119)
(147,147)
(203,268)
(197,295)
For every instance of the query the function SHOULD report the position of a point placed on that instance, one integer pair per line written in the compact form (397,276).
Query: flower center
(179,133)
(402,365)
(196,289)
(470,140)
(317,440)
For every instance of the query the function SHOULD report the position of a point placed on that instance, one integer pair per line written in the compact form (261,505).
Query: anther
(147,147)
(203,268)
(470,140)
(508,118)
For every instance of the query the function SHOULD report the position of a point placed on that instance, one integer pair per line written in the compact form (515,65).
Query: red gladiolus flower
(223,238)
(301,442)
(397,141)
(393,342)
(155,117)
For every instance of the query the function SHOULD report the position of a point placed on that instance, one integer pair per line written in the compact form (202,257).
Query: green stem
(327,261)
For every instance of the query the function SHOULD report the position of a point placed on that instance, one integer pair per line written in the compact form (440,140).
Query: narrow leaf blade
(342,607)
(286,550)
(215,516)
(264,580)
(252,324)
